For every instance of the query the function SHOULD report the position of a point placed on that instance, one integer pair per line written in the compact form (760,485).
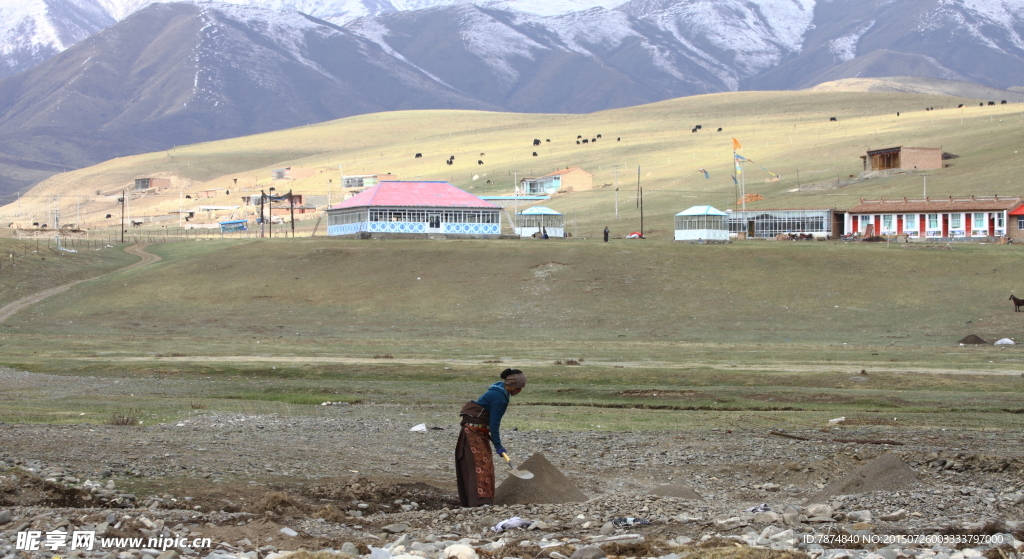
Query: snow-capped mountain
(169,74)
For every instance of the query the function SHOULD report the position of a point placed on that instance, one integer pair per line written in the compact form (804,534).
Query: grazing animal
(981,104)
(719,129)
(960,106)
(481,154)
(108,216)
(535,154)
(584,140)
(536,142)
(697,127)
(592,140)
(990,103)
(897,113)
(488,181)
(618,139)
(547,140)
(579,136)
(693,131)
(419,155)
(452,158)
(600,135)
(577,142)
(833,119)
(1003,102)
(1017,303)
(479,162)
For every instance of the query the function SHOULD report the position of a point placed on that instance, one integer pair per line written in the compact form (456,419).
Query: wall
(577,179)
(921,158)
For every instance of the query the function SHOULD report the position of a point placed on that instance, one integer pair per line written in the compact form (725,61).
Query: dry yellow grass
(788,133)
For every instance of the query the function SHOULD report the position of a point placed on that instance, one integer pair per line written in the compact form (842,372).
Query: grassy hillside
(788,133)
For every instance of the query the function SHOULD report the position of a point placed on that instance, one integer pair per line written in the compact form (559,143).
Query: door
(434,221)
(750,228)
(945,225)
(899,224)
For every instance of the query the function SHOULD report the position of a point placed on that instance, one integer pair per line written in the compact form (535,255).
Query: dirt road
(13,308)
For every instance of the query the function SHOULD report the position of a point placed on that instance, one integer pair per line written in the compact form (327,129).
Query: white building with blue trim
(539,220)
(702,223)
(414,207)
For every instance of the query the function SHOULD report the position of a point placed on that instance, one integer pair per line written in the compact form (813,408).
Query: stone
(539,525)
(5,517)
(766,517)
(397,528)
(588,552)
(350,548)
(859,516)
(459,551)
(886,553)
(791,517)
(169,554)
(819,509)
(785,536)
(728,523)
(289,532)
(608,529)
(895,516)
(1018,499)
(623,539)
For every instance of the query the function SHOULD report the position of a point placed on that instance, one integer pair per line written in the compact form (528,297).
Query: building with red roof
(416,207)
(955,217)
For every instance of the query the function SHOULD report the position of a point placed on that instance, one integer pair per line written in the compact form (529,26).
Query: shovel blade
(522,474)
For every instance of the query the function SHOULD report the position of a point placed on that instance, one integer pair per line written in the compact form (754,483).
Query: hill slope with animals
(787,135)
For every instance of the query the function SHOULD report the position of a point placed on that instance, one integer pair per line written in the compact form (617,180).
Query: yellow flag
(736,144)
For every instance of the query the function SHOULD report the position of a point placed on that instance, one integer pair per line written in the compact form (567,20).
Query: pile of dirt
(382,496)
(885,473)
(278,503)
(675,490)
(972,339)
(548,486)
(29,491)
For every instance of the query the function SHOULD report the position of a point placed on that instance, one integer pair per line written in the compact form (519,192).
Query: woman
(481,422)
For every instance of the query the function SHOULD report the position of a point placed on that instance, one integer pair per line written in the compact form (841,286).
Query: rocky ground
(353,480)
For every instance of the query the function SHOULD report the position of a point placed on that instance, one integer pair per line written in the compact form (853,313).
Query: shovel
(521,474)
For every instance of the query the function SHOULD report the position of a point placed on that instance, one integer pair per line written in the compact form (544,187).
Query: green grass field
(775,333)
(788,133)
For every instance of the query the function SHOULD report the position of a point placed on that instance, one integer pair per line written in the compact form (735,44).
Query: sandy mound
(972,339)
(547,486)
(885,473)
(675,490)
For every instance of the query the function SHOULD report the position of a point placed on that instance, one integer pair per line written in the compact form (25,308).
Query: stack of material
(548,486)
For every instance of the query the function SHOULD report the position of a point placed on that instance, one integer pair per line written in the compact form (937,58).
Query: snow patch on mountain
(845,47)
(498,44)
(373,31)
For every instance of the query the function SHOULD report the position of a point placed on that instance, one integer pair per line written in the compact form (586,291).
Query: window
(979,222)
(933,221)
(955,220)
(1000,220)
(887,222)
(1020,223)
(910,222)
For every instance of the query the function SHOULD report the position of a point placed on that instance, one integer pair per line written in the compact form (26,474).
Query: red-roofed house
(422,207)
(980,217)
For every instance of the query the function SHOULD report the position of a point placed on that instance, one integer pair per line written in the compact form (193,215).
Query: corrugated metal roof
(702,210)
(404,194)
(932,205)
(539,210)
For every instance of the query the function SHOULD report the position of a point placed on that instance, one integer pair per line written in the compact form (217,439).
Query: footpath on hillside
(139,250)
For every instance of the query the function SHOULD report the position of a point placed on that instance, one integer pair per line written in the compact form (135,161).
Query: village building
(702,223)
(292,173)
(563,180)
(417,207)
(753,224)
(538,220)
(147,183)
(963,217)
(365,181)
(903,158)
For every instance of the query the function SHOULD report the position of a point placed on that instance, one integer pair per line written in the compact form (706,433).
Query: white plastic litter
(763,507)
(511,523)
(418,428)
(289,532)
(836,420)
(1005,341)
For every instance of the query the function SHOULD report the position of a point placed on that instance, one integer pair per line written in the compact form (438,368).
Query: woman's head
(514,379)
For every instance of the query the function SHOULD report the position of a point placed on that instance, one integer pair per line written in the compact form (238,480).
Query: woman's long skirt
(474,468)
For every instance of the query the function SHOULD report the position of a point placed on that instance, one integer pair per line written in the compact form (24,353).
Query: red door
(899,224)
(922,228)
(945,225)
(854,224)
(991,225)
(967,223)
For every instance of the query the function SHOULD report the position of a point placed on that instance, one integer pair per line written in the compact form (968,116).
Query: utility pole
(640,200)
(122,215)
(291,203)
(925,177)
(263,196)
(515,200)
(616,167)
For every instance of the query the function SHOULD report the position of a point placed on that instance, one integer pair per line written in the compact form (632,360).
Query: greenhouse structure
(772,223)
(701,223)
(540,219)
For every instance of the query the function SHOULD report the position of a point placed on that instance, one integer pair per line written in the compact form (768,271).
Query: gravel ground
(356,475)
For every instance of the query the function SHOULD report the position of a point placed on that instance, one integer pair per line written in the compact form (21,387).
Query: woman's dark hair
(508,372)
